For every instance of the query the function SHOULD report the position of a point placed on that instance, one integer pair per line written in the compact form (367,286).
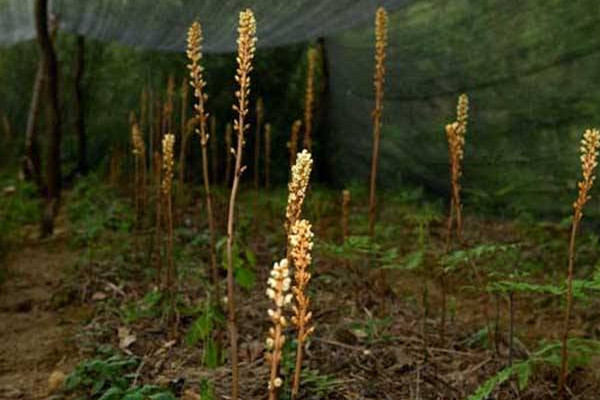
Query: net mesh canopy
(162,25)
(530,69)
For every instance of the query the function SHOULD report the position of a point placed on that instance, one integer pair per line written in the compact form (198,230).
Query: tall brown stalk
(143,108)
(183,134)
(292,145)
(214,156)
(589,156)
(381,25)
(246,49)
(158,239)
(194,53)
(301,240)
(168,107)
(139,154)
(455,134)
(346,198)
(260,113)
(7,129)
(309,98)
(228,154)
(267,156)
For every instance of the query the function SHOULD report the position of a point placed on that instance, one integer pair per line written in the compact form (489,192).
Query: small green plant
(243,263)
(580,354)
(203,330)
(149,306)
(19,205)
(111,378)
(94,208)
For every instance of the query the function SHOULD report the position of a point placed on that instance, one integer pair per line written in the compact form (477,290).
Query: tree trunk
(50,80)
(32,159)
(82,165)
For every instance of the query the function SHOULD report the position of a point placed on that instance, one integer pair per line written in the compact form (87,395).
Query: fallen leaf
(98,296)
(55,381)
(126,338)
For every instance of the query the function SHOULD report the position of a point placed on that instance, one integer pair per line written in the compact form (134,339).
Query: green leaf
(114,393)
(98,385)
(250,257)
(523,374)
(484,390)
(163,396)
(245,277)
(211,354)
(412,262)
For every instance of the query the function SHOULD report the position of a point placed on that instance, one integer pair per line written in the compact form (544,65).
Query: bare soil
(35,328)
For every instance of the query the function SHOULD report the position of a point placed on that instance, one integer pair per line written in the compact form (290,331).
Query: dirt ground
(35,331)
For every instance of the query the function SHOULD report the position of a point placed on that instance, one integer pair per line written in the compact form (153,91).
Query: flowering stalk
(168,144)
(455,134)
(194,54)
(297,189)
(279,285)
(381,25)
(589,156)
(139,154)
(246,49)
(309,97)
(292,145)
(301,240)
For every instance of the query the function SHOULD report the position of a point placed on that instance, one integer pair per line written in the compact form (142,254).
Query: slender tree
(50,68)
(32,160)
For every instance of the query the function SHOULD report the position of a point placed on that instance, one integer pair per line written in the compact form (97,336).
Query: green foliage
(314,383)
(459,258)
(243,263)
(317,385)
(150,306)
(207,391)
(202,330)
(358,247)
(581,352)
(371,329)
(111,379)
(93,208)
(19,206)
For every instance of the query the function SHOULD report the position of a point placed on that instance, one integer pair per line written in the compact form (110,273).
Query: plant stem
(568,307)
(298,366)
(511,305)
(210,215)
